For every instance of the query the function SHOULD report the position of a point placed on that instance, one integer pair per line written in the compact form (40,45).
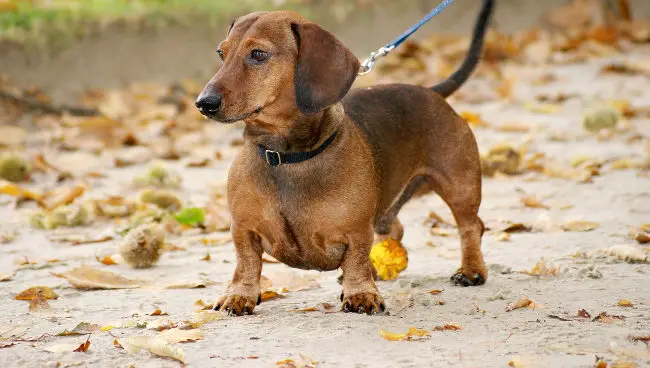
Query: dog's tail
(449,86)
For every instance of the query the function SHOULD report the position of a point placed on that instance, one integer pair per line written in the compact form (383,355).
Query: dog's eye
(259,56)
(220,53)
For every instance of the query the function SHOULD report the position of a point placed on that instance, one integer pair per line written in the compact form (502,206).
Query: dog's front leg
(360,293)
(243,293)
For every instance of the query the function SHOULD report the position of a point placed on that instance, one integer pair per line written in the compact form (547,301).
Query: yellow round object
(389,258)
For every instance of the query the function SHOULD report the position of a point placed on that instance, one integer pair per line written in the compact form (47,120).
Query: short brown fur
(323,213)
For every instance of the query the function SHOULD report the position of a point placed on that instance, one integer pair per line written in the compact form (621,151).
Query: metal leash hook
(369,63)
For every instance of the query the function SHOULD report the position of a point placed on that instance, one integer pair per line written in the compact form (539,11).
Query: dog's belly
(311,254)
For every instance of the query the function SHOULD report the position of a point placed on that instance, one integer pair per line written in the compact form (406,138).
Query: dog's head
(277,65)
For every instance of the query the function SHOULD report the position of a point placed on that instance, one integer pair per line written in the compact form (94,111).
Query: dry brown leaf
(269,294)
(580,226)
(516,227)
(435,291)
(61,348)
(206,258)
(201,305)
(303,361)
(583,314)
(7,277)
(448,327)
(532,201)
(644,339)
(83,347)
(607,318)
(542,269)
(158,312)
(625,303)
(641,234)
(37,292)
(88,278)
(412,334)
(117,344)
(322,307)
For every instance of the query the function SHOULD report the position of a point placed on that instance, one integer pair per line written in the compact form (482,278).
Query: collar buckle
(273,158)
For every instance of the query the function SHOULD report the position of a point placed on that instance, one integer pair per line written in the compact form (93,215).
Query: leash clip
(369,63)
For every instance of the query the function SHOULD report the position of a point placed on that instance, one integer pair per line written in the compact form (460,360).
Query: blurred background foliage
(29,20)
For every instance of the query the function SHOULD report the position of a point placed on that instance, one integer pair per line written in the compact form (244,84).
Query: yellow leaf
(523,303)
(625,303)
(106,328)
(176,335)
(448,327)
(37,292)
(580,226)
(153,344)
(408,336)
(532,201)
(473,118)
(541,269)
(18,192)
(389,258)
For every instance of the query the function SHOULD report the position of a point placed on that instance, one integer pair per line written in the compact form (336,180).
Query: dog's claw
(236,305)
(462,280)
(368,303)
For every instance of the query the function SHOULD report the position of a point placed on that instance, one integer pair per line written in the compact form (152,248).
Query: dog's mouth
(229,120)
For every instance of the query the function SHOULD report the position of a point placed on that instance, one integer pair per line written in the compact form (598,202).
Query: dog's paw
(236,305)
(369,303)
(469,278)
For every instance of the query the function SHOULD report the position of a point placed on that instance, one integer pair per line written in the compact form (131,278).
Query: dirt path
(490,336)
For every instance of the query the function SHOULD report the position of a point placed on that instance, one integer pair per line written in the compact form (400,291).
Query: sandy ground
(490,336)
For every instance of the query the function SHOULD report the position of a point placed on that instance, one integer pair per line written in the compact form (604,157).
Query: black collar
(275,158)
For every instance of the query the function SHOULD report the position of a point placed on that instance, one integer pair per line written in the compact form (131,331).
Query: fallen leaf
(448,327)
(83,328)
(523,303)
(269,294)
(83,347)
(580,226)
(473,119)
(7,277)
(107,260)
(322,307)
(193,284)
(644,339)
(532,202)
(627,253)
(154,345)
(206,258)
(624,303)
(435,291)
(117,344)
(389,258)
(583,314)
(4,346)
(191,216)
(62,196)
(37,292)
(201,305)
(200,318)
(412,334)
(516,227)
(303,361)
(88,278)
(39,305)
(18,192)
(607,318)
(176,335)
(641,234)
(545,108)
(158,312)
(501,158)
(542,269)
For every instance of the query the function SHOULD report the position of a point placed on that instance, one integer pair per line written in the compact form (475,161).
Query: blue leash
(367,65)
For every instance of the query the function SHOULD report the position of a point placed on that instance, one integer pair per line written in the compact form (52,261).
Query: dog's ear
(325,69)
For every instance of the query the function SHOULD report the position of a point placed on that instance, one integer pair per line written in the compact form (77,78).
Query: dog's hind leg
(388,225)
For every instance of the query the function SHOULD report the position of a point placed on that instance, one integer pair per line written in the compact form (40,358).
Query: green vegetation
(48,21)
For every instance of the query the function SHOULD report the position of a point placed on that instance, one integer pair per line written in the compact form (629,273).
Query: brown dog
(321,172)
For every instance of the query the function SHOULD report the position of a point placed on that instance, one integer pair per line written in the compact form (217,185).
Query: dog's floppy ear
(325,69)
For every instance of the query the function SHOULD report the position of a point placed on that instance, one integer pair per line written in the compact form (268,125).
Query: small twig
(33,104)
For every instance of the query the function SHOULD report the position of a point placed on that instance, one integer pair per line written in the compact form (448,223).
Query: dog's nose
(209,104)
